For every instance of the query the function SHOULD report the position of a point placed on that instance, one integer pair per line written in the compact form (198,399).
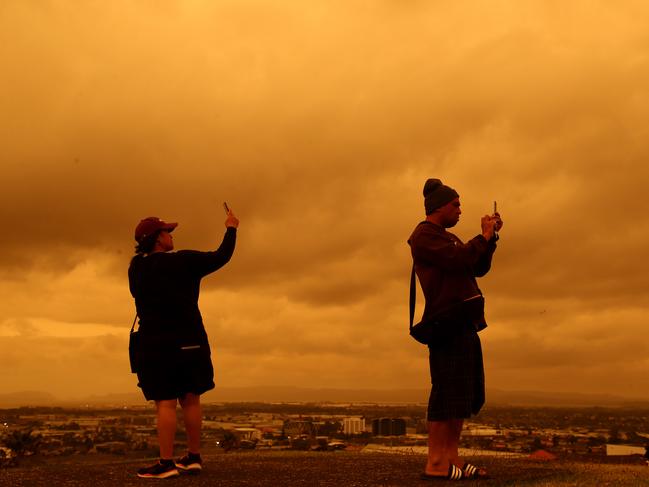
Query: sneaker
(158,471)
(190,463)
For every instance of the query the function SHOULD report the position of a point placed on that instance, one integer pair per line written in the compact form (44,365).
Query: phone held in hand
(496,236)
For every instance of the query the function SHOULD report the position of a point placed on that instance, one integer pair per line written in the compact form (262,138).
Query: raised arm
(438,248)
(491,225)
(203,263)
(483,265)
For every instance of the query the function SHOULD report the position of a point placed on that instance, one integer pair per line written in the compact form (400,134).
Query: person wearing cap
(447,269)
(174,359)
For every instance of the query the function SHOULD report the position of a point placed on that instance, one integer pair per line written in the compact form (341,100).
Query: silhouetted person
(447,269)
(174,358)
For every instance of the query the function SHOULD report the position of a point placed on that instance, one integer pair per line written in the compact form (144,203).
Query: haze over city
(319,122)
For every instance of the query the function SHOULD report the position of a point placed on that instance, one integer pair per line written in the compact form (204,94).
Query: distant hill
(413,396)
(27,398)
(301,394)
(536,398)
(495,397)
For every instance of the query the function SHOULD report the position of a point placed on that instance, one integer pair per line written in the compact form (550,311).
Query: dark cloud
(319,124)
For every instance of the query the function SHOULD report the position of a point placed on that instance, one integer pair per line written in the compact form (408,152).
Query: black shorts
(170,370)
(457,377)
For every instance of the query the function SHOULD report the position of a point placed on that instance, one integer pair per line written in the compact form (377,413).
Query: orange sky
(319,122)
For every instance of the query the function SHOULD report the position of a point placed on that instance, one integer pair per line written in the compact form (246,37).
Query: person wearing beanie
(447,270)
(173,358)
(437,195)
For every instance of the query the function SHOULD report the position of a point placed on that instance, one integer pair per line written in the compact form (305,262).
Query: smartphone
(495,207)
(225,207)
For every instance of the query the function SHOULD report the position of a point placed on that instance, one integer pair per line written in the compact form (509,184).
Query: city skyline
(319,125)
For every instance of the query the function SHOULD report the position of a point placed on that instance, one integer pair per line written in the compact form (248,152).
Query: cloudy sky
(319,123)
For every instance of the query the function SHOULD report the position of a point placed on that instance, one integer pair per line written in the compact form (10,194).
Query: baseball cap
(151,225)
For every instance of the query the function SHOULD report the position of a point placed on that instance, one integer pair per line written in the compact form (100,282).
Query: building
(353,426)
(622,450)
(398,427)
(389,427)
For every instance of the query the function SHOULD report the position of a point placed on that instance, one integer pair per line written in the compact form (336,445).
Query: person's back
(173,361)
(166,288)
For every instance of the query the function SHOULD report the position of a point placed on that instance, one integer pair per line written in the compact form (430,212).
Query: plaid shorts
(457,377)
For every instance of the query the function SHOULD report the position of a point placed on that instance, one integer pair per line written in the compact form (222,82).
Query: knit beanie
(437,195)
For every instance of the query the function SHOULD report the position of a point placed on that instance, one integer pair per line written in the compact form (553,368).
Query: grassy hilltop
(326,469)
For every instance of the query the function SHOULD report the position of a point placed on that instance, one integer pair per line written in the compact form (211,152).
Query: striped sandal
(473,472)
(454,473)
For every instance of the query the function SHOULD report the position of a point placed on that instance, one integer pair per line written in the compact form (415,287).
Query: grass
(326,469)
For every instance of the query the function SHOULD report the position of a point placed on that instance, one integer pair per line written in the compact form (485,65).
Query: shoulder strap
(413,283)
(134,320)
(413,295)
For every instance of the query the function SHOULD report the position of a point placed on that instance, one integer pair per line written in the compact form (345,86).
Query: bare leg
(193,418)
(454,441)
(166,413)
(453,454)
(438,433)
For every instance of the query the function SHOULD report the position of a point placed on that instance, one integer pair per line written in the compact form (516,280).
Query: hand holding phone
(231,220)
(496,216)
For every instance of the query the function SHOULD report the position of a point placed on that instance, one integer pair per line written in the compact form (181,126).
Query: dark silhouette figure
(173,358)
(447,269)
